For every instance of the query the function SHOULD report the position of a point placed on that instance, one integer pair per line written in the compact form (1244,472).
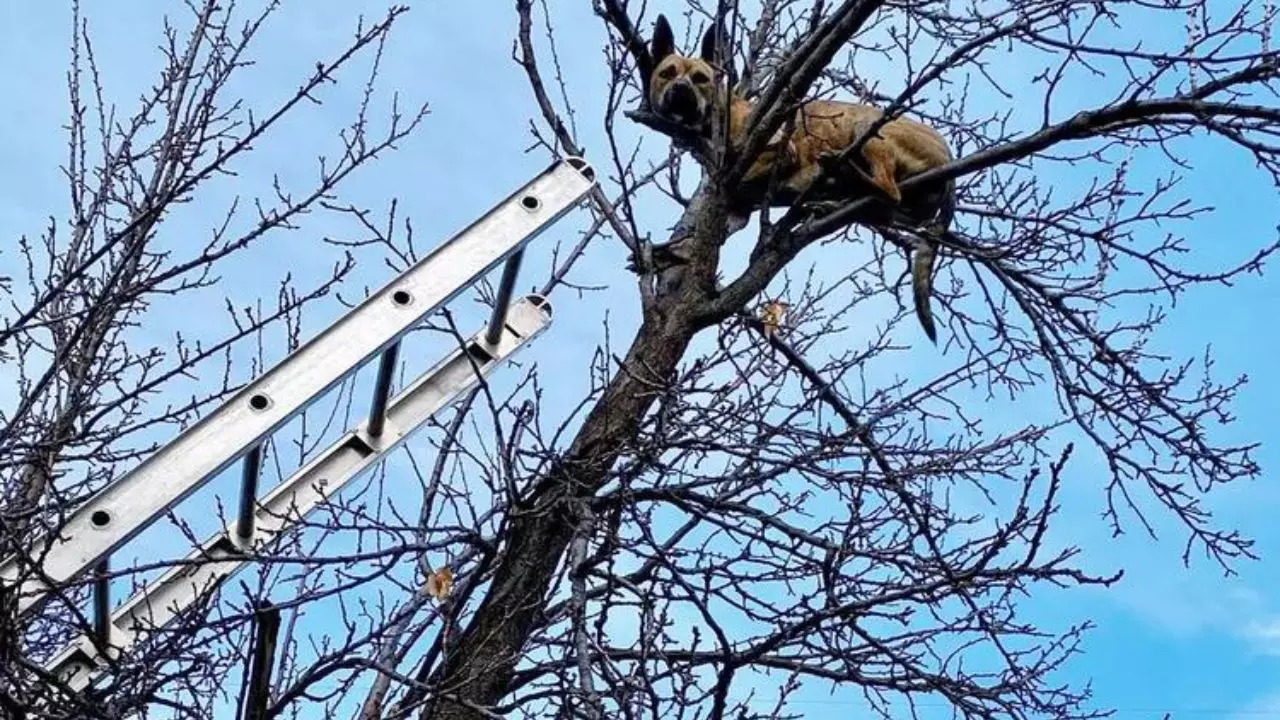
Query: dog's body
(805,162)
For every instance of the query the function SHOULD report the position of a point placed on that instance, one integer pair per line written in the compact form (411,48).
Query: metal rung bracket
(125,508)
(160,601)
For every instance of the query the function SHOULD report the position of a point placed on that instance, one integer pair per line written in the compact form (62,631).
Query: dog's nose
(681,90)
(681,101)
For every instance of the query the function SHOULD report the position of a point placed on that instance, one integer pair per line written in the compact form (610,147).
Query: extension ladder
(237,430)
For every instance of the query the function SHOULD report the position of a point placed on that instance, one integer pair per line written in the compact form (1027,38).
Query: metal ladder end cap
(540,302)
(582,166)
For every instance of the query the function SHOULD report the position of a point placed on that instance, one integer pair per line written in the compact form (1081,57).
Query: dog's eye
(699,78)
(668,73)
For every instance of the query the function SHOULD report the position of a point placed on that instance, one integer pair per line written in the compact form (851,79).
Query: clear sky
(1187,642)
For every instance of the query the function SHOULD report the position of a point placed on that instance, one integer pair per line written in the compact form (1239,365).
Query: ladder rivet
(401,297)
(100,518)
(530,202)
(259,402)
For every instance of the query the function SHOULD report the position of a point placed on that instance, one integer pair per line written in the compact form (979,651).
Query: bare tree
(734,505)
(86,383)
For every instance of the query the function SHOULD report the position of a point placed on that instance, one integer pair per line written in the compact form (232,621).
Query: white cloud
(1264,635)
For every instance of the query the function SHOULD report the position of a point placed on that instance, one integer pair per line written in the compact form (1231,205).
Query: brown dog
(807,160)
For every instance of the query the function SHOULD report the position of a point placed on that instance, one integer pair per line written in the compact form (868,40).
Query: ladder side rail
(123,509)
(157,603)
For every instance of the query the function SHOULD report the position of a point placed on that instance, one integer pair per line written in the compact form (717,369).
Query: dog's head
(681,88)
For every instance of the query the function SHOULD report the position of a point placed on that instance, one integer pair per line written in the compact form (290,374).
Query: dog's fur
(686,90)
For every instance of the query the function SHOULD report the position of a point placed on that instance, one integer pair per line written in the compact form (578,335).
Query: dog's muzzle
(681,102)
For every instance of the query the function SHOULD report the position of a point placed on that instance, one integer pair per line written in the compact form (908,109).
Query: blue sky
(1168,639)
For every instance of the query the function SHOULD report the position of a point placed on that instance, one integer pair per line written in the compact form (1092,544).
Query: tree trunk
(483,658)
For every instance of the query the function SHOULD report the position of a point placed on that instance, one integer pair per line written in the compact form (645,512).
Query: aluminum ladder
(237,430)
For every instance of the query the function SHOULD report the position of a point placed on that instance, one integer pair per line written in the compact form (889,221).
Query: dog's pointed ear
(664,41)
(711,40)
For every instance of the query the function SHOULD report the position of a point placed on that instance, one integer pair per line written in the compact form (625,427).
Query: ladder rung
(267,627)
(157,603)
(122,510)
(382,389)
(508,282)
(102,602)
(248,493)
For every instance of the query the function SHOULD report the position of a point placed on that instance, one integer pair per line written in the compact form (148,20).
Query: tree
(730,506)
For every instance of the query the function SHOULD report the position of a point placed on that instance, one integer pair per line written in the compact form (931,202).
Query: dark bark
(487,651)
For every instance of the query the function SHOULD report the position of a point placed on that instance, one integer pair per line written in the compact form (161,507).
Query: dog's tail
(922,261)
(926,255)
